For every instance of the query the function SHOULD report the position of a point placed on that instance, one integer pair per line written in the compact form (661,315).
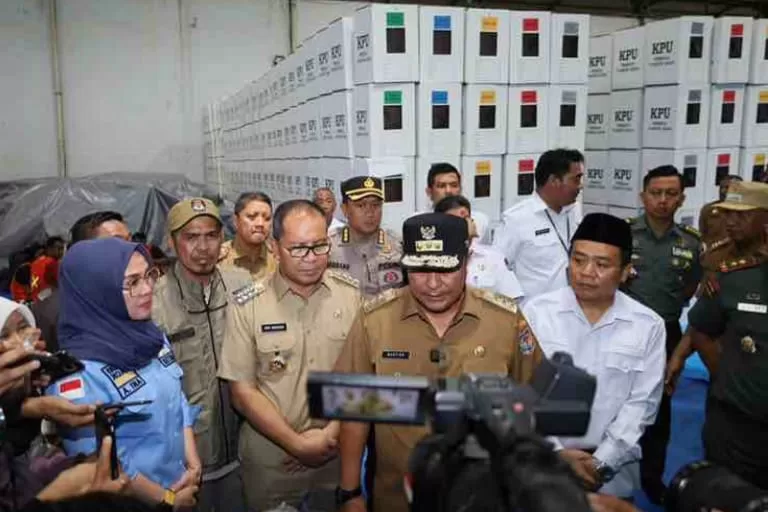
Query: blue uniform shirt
(150,438)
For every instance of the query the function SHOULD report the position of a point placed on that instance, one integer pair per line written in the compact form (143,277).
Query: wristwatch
(344,495)
(169,500)
(604,471)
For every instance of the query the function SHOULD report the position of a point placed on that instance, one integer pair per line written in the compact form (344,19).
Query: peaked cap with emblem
(746,195)
(605,229)
(188,209)
(360,187)
(434,242)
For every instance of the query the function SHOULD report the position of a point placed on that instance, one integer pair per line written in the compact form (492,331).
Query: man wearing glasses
(191,303)
(297,323)
(665,273)
(363,249)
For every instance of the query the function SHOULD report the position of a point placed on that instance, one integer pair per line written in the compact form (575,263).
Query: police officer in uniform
(362,248)
(297,323)
(191,302)
(435,327)
(249,249)
(735,312)
(666,272)
(715,243)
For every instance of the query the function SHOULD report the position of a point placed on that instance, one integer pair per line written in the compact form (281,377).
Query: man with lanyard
(363,249)
(613,337)
(191,304)
(536,233)
(729,328)
(666,273)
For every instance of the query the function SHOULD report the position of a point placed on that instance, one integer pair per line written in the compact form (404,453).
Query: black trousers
(737,441)
(656,437)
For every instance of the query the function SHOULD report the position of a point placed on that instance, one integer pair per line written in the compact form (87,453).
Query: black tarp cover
(30,210)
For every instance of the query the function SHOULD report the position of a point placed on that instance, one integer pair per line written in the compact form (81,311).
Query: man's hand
(315,448)
(354,505)
(672,373)
(59,410)
(88,477)
(186,498)
(190,478)
(583,465)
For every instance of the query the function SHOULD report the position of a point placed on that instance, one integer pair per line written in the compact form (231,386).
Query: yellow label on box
(763,96)
(760,159)
(490,24)
(487,97)
(483,167)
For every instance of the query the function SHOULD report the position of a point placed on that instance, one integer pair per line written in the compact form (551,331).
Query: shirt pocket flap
(624,362)
(277,354)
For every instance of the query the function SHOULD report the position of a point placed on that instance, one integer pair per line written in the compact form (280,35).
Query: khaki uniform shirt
(376,263)
(234,254)
(393,337)
(716,246)
(273,343)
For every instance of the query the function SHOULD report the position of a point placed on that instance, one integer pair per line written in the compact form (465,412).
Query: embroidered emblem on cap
(197,205)
(368,183)
(428,232)
(748,345)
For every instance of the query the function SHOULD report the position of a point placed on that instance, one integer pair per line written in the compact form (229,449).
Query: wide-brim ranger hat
(746,195)
(434,242)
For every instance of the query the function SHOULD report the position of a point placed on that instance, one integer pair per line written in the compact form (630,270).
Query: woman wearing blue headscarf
(105,321)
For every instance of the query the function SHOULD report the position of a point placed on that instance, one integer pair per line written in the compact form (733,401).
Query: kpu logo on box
(363,41)
(662,47)
(622,176)
(628,55)
(595,119)
(623,116)
(597,62)
(336,52)
(660,113)
(322,59)
(595,174)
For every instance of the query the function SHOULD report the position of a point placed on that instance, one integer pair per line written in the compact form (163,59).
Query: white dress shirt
(625,351)
(535,240)
(487,270)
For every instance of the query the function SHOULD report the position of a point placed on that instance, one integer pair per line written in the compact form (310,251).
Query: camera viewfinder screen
(396,405)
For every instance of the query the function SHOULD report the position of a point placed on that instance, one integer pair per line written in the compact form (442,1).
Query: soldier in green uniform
(363,249)
(666,272)
(735,311)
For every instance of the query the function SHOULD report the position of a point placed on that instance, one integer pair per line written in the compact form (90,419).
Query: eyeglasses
(133,285)
(301,251)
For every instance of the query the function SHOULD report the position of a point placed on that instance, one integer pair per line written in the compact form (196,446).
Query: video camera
(485,452)
(703,486)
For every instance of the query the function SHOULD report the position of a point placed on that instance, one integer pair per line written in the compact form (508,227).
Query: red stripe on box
(530,25)
(724,159)
(525,166)
(737,30)
(528,97)
(729,96)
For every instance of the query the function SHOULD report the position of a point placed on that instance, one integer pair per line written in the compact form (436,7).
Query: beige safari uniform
(234,254)
(273,342)
(392,337)
(376,263)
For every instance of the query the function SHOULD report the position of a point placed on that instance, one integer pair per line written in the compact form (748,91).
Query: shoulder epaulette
(224,251)
(379,300)
(247,293)
(690,230)
(497,299)
(344,278)
(739,264)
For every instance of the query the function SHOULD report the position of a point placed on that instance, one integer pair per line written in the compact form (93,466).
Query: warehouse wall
(135,75)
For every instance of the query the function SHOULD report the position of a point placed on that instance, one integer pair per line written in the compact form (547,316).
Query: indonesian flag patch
(72,388)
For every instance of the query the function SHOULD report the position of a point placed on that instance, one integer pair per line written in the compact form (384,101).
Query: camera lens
(702,486)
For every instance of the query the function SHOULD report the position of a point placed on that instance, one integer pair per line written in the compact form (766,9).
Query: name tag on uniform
(396,354)
(166,357)
(682,253)
(274,327)
(752,308)
(541,231)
